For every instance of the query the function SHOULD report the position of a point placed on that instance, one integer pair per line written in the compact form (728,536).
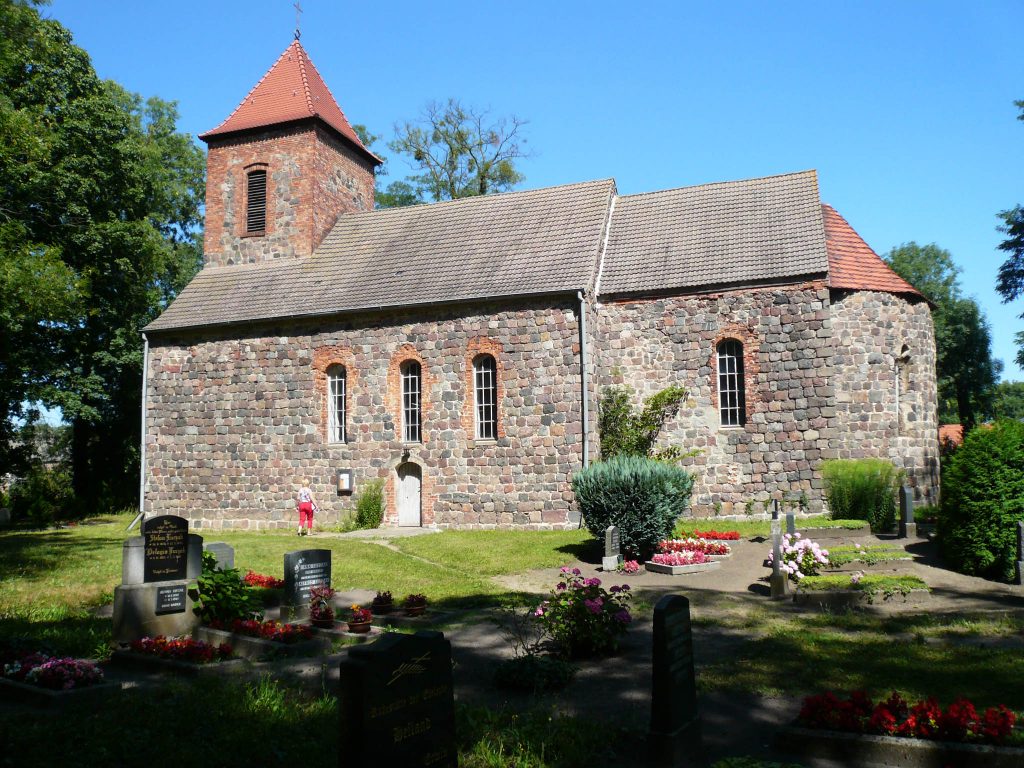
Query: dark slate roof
(715,234)
(518,243)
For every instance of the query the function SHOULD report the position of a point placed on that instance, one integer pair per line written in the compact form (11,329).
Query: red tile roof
(291,90)
(951,435)
(851,262)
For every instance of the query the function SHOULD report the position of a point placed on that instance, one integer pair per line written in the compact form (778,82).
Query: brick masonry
(232,422)
(312,177)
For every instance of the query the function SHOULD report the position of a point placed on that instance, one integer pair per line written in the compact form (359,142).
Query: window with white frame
(337,404)
(732,405)
(412,383)
(485,397)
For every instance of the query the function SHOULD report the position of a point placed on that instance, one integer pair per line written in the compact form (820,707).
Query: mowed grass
(750,528)
(53,580)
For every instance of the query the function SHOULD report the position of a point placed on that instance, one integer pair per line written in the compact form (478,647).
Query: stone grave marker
(612,549)
(166,548)
(790,523)
(1020,551)
(156,568)
(775,509)
(908,528)
(675,735)
(303,570)
(397,703)
(224,553)
(779,580)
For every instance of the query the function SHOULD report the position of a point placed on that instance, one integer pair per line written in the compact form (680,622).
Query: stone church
(457,350)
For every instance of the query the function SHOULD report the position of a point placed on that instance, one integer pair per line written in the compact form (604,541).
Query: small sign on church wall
(345,481)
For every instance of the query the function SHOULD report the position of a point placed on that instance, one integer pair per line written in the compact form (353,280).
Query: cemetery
(468,647)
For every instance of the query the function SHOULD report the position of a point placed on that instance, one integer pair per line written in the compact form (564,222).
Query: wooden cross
(298,11)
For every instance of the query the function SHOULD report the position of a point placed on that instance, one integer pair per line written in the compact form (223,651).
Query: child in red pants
(305,504)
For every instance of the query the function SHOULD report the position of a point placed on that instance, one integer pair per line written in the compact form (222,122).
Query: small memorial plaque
(611,541)
(398,704)
(303,570)
(675,724)
(170,600)
(166,550)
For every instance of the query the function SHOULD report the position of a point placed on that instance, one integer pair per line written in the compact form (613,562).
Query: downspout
(584,379)
(142,440)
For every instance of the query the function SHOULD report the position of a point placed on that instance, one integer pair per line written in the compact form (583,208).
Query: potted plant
(383,603)
(359,620)
(415,605)
(321,613)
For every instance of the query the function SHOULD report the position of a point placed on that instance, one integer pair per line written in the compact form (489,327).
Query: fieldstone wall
(312,177)
(786,332)
(232,422)
(885,384)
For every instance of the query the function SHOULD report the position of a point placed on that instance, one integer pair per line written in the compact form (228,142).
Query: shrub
(642,497)
(222,595)
(582,618)
(982,500)
(800,557)
(626,432)
(43,496)
(863,489)
(370,506)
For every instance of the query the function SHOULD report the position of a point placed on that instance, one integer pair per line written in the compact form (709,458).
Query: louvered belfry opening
(256,205)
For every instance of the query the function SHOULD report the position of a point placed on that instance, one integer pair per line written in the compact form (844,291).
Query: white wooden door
(409,483)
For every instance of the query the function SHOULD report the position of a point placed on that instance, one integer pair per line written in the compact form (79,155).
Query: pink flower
(594,582)
(560,586)
(594,606)
(576,571)
(623,617)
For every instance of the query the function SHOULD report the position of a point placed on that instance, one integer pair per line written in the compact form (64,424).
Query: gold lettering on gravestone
(414,667)
(166,543)
(403,732)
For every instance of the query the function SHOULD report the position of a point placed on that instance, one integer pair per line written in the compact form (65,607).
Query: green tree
(1010,282)
(98,217)
(461,151)
(626,431)
(966,371)
(397,194)
(1008,400)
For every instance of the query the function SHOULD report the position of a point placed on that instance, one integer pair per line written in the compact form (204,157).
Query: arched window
(337,404)
(485,397)
(732,403)
(256,201)
(412,382)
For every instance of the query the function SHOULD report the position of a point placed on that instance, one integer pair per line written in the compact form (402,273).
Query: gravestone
(908,528)
(779,580)
(397,704)
(166,548)
(224,553)
(675,735)
(156,568)
(303,570)
(5,517)
(612,550)
(790,523)
(775,509)
(1020,551)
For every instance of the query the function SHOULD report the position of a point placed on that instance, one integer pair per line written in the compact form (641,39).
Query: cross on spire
(298,11)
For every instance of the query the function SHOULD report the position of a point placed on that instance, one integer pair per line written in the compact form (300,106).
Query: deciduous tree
(1010,282)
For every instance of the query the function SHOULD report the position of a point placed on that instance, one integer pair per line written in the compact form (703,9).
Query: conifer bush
(642,497)
(982,501)
(863,489)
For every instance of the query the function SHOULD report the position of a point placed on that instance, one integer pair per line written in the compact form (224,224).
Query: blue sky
(905,109)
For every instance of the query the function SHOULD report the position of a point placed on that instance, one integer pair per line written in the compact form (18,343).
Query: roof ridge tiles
(809,171)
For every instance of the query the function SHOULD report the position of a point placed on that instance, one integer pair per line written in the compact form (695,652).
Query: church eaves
(853,265)
(291,90)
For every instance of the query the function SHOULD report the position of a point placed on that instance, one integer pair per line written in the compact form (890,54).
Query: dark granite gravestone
(224,553)
(675,735)
(612,549)
(303,570)
(166,548)
(1020,551)
(908,528)
(170,599)
(397,703)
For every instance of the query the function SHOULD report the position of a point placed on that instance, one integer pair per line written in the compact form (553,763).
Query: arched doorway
(410,483)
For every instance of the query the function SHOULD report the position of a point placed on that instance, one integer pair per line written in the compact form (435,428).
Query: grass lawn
(751,528)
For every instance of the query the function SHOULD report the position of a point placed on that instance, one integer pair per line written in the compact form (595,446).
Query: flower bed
(35,678)
(838,588)
(694,545)
(712,534)
(258,639)
(800,557)
(582,617)
(183,655)
(680,558)
(275,631)
(253,579)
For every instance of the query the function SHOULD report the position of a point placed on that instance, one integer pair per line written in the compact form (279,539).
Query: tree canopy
(99,208)
(966,371)
(1010,282)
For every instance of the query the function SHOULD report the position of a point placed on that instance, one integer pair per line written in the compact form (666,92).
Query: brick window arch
(732,398)
(479,349)
(337,404)
(328,360)
(411,373)
(408,399)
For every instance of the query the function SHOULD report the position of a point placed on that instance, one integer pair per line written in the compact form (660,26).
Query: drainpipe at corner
(585,379)
(142,440)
